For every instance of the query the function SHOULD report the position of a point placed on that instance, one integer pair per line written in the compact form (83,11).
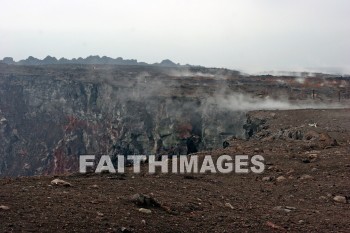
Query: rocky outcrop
(258,127)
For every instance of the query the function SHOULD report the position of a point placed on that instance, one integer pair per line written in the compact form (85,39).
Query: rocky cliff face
(50,117)
(52,114)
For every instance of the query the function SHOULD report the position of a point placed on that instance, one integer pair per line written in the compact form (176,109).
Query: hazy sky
(250,35)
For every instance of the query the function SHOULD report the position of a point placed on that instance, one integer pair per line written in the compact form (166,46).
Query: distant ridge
(90,60)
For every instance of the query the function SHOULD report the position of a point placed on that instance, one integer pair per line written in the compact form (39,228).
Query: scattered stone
(143,222)
(4,207)
(286,209)
(280,178)
(258,150)
(189,177)
(290,171)
(306,177)
(125,230)
(144,200)
(225,144)
(274,168)
(306,160)
(313,125)
(267,178)
(340,199)
(145,211)
(229,205)
(60,182)
(313,156)
(95,186)
(314,169)
(274,226)
(280,208)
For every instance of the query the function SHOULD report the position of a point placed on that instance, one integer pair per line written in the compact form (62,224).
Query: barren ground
(205,202)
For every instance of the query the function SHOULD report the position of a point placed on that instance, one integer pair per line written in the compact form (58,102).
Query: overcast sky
(249,35)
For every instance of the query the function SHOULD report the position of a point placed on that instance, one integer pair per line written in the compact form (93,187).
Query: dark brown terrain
(305,187)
